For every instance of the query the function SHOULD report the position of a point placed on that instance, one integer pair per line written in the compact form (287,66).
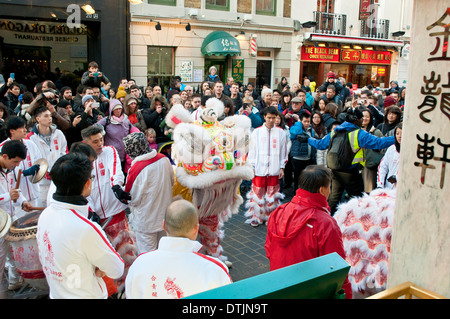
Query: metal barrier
(318,278)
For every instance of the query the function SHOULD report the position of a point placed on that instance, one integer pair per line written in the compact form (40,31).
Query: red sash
(137,168)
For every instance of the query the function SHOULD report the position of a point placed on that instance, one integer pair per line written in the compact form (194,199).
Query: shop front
(55,40)
(358,66)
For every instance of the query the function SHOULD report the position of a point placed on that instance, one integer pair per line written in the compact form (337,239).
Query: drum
(24,250)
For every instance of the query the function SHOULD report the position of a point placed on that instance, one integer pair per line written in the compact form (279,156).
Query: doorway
(263,74)
(221,64)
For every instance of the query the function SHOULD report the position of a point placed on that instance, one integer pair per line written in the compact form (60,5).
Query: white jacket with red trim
(174,270)
(7,182)
(108,172)
(144,181)
(29,190)
(268,150)
(57,148)
(70,248)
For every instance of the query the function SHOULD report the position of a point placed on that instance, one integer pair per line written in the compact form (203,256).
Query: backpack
(340,153)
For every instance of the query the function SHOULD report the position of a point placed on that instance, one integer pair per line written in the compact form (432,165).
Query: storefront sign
(350,55)
(237,67)
(375,57)
(345,55)
(320,54)
(364,9)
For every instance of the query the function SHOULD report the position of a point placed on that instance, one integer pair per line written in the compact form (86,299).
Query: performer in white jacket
(268,156)
(11,155)
(108,199)
(15,128)
(149,181)
(75,253)
(176,269)
(388,167)
(51,142)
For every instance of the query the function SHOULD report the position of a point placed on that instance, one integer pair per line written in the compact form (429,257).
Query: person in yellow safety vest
(347,176)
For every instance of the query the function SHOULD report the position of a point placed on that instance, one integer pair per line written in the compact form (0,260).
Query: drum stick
(18,181)
(37,208)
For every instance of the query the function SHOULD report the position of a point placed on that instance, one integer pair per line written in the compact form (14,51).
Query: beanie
(86,98)
(121,92)
(389,100)
(114,104)
(331,74)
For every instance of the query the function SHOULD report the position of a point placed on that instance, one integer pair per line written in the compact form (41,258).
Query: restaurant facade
(57,39)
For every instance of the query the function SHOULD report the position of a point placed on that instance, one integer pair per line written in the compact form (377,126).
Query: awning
(220,43)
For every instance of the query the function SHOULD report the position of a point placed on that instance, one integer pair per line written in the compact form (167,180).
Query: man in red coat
(303,229)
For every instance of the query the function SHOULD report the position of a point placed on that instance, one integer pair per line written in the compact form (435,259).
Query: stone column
(420,250)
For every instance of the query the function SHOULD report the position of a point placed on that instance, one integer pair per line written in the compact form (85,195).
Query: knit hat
(121,92)
(114,104)
(389,100)
(136,144)
(331,74)
(86,98)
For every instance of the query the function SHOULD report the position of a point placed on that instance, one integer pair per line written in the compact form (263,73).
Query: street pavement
(242,244)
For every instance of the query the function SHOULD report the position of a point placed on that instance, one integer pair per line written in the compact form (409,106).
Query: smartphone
(12,75)
(95,105)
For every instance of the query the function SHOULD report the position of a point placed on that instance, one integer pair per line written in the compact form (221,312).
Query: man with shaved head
(176,269)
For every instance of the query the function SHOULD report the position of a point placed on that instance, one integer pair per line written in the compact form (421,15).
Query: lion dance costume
(211,162)
(366,225)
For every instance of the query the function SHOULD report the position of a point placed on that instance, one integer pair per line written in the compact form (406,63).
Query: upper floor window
(267,7)
(218,4)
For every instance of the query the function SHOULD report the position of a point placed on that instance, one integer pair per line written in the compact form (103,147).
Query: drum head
(5,222)
(27,221)
(24,228)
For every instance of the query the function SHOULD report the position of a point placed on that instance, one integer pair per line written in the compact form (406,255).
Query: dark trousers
(288,173)
(299,166)
(350,181)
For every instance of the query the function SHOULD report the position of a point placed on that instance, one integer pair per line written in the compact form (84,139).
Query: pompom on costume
(211,162)
(366,225)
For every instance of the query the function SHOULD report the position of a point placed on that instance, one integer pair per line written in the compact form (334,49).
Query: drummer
(75,253)
(11,155)
(15,128)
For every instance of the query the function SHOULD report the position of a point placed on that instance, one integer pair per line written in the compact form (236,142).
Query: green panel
(220,43)
(318,278)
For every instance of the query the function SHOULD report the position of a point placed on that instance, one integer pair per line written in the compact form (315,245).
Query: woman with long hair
(320,131)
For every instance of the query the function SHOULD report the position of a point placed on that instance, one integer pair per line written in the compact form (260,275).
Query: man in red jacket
(303,229)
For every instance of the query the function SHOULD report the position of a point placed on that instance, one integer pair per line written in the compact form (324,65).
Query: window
(160,66)
(163,2)
(267,7)
(218,4)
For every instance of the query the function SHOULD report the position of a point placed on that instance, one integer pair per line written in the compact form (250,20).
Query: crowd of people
(118,131)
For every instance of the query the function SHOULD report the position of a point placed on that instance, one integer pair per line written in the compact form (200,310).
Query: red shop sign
(320,54)
(375,57)
(350,55)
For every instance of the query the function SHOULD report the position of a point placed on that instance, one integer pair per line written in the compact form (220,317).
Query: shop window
(218,4)
(160,66)
(267,7)
(163,2)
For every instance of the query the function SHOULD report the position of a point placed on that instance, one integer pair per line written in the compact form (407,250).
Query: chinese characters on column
(435,93)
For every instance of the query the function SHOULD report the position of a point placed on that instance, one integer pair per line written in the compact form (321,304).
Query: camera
(52,101)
